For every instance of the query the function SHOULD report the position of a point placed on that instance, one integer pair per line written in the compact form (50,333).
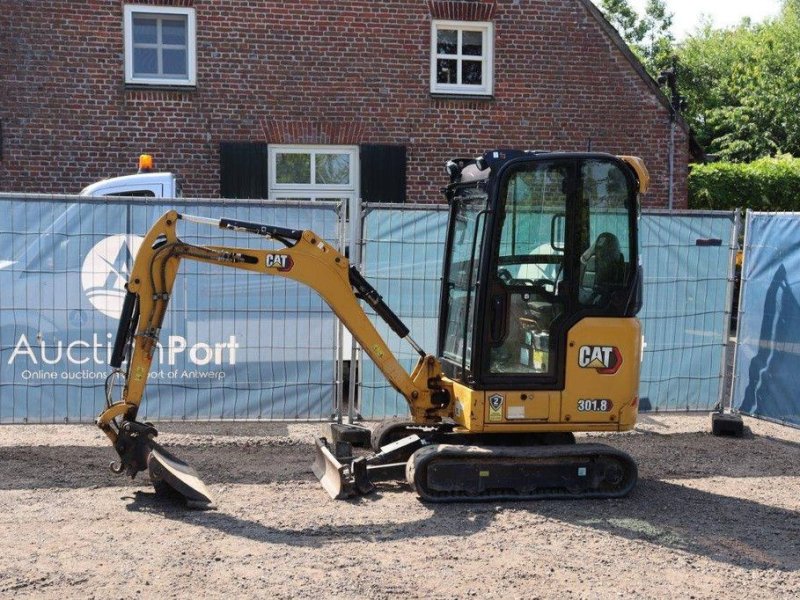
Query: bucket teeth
(171,476)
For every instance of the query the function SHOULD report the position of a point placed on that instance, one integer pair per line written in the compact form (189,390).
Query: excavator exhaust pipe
(173,477)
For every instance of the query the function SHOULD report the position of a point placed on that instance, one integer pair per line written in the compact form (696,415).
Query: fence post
(722,401)
(355,244)
(336,415)
(739,309)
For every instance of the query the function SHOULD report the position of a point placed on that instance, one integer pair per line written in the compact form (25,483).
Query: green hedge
(767,184)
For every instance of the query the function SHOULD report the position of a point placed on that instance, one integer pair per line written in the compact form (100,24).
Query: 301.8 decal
(594,405)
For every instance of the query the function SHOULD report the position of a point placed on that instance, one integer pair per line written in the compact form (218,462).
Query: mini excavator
(538,337)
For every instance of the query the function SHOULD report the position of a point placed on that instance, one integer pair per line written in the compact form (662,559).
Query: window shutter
(383,173)
(243,170)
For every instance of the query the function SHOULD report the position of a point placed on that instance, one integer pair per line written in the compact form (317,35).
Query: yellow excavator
(538,337)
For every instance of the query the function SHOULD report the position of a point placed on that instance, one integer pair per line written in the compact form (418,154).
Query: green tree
(649,36)
(625,19)
(742,86)
(657,47)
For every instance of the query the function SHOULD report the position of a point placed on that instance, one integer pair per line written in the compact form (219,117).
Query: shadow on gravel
(38,467)
(460,520)
(677,456)
(722,528)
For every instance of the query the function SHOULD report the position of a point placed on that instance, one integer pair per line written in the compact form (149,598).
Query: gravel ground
(710,518)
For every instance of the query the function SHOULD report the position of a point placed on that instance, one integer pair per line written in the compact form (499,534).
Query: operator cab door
(528,269)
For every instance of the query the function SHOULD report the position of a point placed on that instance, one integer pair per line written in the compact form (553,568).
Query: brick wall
(315,71)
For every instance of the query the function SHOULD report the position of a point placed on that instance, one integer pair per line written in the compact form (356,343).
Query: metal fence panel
(767,365)
(686,259)
(238,345)
(402,255)
(235,345)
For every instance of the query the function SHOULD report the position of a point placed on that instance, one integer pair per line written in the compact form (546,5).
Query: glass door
(526,298)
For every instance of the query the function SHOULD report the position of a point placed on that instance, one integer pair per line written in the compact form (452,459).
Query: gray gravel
(710,518)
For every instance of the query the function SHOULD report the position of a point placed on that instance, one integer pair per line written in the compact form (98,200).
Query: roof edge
(637,65)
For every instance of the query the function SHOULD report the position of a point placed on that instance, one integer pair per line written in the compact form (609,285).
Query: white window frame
(312,190)
(487,58)
(191,44)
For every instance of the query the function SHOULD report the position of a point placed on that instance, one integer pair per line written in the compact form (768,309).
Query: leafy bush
(742,84)
(766,184)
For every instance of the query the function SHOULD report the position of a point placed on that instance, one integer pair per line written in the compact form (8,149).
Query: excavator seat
(602,270)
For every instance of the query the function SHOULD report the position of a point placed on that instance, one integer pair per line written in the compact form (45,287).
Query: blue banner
(768,339)
(238,345)
(234,345)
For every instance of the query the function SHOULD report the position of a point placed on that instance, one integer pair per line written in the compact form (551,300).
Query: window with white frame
(313,172)
(160,45)
(461,57)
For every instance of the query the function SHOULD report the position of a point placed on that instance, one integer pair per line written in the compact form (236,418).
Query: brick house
(317,98)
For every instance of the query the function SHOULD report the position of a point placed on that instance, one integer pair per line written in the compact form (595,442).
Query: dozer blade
(171,476)
(340,481)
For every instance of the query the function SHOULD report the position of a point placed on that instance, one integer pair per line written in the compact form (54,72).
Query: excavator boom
(305,258)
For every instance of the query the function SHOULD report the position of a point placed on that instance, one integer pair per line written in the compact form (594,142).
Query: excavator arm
(305,258)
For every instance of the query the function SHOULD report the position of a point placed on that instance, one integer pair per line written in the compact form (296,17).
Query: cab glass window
(605,262)
(468,211)
(525,300)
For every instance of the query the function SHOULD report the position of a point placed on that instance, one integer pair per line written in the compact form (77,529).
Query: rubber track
(601,459)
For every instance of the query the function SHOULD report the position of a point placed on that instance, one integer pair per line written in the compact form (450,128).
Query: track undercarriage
(448,466)
(442,464)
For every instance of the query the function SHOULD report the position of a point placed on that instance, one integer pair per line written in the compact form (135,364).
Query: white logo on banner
(106,270)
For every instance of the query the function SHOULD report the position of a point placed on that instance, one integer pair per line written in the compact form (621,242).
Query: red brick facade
(317,72)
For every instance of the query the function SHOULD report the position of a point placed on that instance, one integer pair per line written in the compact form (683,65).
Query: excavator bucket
(171,476)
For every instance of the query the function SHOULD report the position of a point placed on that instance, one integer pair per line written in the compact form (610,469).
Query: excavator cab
(536,243)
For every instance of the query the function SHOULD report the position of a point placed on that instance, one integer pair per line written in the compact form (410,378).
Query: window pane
(467,233)
(472,43)
(145,61)
(175,62)
(333,169)
(447,41)
(293,168)
(144,30)
(446,71)
(471,72)
(529,267)
(605,258)
(173,31)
